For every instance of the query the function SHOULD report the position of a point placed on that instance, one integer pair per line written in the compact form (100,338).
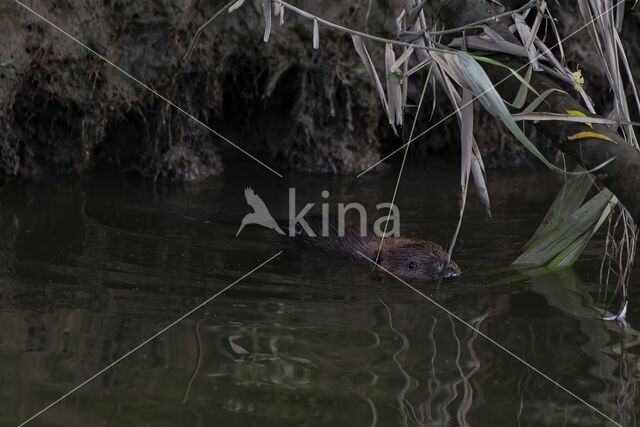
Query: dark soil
(64,110)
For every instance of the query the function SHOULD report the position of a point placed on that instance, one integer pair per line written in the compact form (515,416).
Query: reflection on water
(89,268)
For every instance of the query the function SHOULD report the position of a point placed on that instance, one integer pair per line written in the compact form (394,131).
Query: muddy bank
(64,110)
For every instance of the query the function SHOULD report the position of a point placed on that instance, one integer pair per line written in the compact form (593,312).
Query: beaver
(409,259)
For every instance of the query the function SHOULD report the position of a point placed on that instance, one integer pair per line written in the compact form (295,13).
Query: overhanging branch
(621,176)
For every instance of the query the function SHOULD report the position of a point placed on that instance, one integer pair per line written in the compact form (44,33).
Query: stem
(311,16)
(475,24)
(198,33)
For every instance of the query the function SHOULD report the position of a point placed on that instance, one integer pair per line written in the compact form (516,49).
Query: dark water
(91,268)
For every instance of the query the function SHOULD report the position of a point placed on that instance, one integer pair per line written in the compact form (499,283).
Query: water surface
(91,267)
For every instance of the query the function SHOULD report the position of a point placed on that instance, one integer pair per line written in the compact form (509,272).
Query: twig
(196,37)
(311,16)
(475,24)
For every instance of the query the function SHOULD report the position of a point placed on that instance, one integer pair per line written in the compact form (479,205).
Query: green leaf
(517,75)
(568,200)
(463,68)
(560,241)
(398,73)
(473,75)
(361,49)
(540,99)
(521,96)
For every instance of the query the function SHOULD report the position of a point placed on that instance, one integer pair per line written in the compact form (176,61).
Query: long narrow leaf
(402,59)
(570,254)
(521,96)
(477,166)
(527,36)
(473,76)
(562,117)
(236,6)
(561,239)
(361,49)
(316,34)
(568,200)
(540,99)
(419,66)
(513,72)
(484,44)
(394,90)
(466,146)
(479,180)
(266,9)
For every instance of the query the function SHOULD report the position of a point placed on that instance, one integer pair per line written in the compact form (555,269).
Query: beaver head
(416,259)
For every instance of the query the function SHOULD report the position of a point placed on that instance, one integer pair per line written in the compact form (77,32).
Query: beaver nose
(451,271)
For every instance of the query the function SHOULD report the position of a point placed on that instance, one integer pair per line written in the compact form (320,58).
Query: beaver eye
(412,265)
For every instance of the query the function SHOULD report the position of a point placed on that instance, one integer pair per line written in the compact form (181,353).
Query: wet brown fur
(409,259)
